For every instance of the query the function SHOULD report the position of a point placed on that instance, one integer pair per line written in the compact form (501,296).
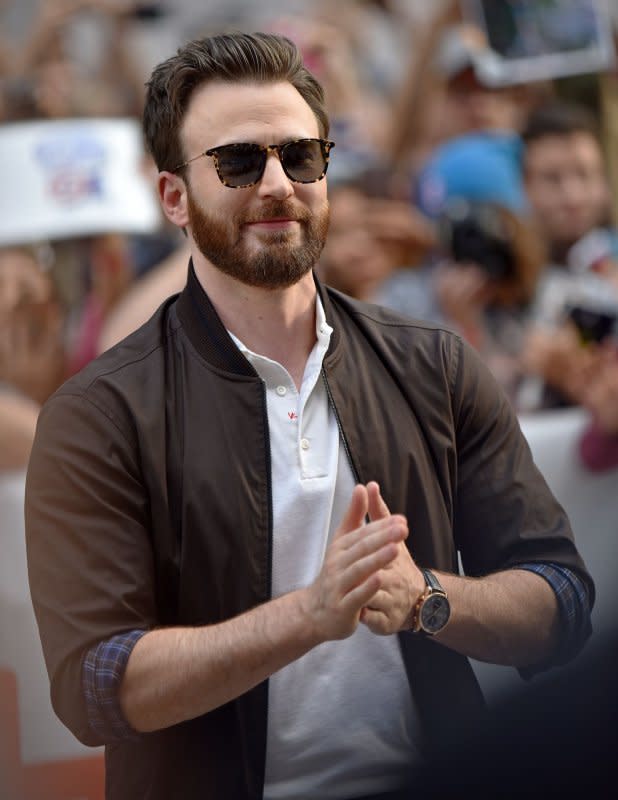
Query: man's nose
(274,181)
(573,188)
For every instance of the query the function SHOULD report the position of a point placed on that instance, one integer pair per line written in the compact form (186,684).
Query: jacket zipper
(346,446)
(269,554)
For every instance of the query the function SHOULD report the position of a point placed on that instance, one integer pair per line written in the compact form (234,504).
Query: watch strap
(432,582)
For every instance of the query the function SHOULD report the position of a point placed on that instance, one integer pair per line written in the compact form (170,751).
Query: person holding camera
(244,520)
(576,304)
(481,278)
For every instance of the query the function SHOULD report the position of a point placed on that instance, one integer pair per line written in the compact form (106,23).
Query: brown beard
(278,264)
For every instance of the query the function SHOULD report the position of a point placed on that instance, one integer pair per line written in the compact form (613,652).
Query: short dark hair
(559,119)
(232,57)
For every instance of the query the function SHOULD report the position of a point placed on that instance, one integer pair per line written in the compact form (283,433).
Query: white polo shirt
(341,721)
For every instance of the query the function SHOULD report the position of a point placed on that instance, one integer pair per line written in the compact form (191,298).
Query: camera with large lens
(477,232)
(594,323)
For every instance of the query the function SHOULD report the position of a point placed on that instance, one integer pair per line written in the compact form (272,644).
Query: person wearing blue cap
(483,276)
(484,166)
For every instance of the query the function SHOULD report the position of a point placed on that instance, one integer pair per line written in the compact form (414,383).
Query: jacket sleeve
(90,562)
(505,514)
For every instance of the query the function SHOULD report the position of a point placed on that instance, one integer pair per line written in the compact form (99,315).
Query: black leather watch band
(431,581)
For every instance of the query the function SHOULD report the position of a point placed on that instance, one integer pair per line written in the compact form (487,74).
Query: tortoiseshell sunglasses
(241,165)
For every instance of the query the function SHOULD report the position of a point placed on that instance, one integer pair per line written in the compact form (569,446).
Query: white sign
(77,177)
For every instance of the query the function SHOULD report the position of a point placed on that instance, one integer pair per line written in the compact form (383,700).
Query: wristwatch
(432,609)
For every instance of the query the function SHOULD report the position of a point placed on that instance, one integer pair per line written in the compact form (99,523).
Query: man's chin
(261,239)
(281,252)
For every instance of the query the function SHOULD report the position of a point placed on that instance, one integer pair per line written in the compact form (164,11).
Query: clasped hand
(368,574)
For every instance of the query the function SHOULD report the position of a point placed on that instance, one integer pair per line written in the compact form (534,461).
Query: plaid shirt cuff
(574,609)
(102,671)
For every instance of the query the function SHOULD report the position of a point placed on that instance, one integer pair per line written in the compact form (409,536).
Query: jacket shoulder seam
(108,414)
(403,323)
(129,363)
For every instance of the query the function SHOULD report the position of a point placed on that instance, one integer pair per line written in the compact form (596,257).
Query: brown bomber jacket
(148,504)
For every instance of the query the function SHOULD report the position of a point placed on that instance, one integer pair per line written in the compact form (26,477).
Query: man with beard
(244,520)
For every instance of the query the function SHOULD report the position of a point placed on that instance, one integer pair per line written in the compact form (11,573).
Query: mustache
(275,210)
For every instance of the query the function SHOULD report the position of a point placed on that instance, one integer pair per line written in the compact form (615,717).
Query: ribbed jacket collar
(208,334)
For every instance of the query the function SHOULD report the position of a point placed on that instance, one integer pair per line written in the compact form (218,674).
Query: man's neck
(276,323)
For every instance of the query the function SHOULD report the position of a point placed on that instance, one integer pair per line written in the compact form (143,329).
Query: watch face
(435,613)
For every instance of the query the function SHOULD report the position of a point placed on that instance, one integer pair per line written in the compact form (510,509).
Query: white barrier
(42,735)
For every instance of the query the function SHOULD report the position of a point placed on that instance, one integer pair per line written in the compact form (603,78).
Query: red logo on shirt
(292,415)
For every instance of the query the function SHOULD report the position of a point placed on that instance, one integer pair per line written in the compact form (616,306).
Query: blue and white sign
(68,178)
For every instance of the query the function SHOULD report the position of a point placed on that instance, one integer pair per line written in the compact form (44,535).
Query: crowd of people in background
(482,207)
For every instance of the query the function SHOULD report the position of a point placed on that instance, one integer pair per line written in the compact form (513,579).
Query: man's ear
(173,197)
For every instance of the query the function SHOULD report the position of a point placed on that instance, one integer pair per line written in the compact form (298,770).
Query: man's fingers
(360,569)
(379,601)
(356,513)
(376,621)
(368,538)
(361,593)
(377,507)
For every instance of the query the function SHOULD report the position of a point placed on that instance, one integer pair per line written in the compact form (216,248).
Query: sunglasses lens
(240,164)
(304,161)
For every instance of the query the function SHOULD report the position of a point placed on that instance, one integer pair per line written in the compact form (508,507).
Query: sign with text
(70,178)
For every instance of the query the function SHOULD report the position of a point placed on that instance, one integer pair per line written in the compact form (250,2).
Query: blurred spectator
(109,272)
(483,166)
(482,278)
(381,34)
(452,89)
(565,176)
(369,238)
(599,444)
(568,191)
(584,372)
(475,100)
(60,77)
(32,357)
(143,298)
(31,351)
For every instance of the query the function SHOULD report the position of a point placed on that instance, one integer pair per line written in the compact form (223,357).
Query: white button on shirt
(311,749)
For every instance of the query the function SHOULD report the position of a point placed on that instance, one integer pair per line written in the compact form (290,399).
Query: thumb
(356,513)
(377,507)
